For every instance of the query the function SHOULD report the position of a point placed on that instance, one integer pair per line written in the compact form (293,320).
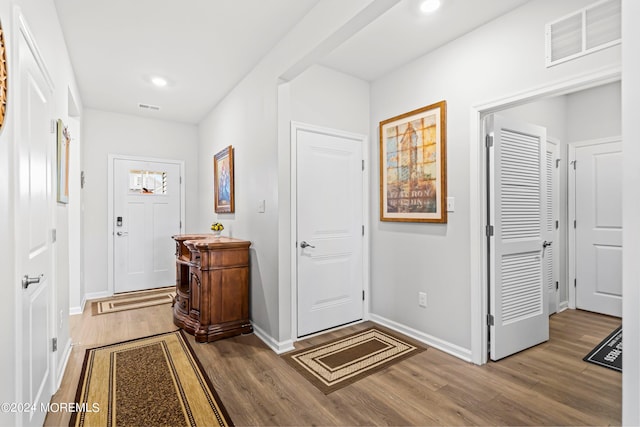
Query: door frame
(295,126)
(110,194)
(571,199)
(478,190)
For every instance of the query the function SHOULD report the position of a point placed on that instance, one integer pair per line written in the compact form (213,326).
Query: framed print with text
(413,186)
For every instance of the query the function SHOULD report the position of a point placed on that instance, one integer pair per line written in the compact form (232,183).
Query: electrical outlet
(422,299)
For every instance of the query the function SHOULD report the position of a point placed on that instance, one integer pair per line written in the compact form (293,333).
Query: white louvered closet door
(518,214)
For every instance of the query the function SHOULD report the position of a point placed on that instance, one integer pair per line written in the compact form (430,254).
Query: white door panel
(517,200)
(147,198)
(329,220)
(598,199)
(551,230)
(34,212)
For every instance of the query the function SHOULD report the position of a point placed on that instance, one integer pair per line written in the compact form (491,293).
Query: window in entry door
(147,182)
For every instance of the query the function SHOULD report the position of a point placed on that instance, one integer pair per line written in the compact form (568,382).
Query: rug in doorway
(149,381)
(343,361)
(609,352)
(133,300)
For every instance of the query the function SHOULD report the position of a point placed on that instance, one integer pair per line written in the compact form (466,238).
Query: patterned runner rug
(146,382)
(343,361)
(133,300)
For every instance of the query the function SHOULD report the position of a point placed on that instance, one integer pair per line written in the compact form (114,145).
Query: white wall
(248,119)
(42,20)
(107,133)
(594,113)
(631,213)
(324,97)
(497,61)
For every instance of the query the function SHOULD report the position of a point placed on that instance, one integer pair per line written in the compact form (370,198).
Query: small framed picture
(223,181)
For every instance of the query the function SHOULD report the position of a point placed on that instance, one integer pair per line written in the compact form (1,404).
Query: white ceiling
(204,47)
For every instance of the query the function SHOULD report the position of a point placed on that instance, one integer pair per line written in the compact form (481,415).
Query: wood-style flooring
(546,385)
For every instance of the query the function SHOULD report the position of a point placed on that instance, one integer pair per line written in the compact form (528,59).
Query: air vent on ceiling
(148,107)
(583,32)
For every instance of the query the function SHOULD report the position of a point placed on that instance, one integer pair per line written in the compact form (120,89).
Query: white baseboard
(564,305)
(63,366)
(447,347)
(278,347)
(78,310)
(97,295)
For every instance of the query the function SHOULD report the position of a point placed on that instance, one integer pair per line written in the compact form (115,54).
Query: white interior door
(598,234)
(517,202)
(146,213)
(551,231)
(329,229)
(34,209)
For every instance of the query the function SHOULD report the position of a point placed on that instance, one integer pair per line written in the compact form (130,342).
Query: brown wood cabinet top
(209,241)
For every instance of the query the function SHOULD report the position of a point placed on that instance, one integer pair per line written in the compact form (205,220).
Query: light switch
(451,204)
(261,205)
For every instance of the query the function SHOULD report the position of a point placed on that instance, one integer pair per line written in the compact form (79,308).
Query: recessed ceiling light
(429,6)
(159,81)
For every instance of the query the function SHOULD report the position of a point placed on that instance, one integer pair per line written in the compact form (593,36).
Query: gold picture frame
(224,199)
(413,185)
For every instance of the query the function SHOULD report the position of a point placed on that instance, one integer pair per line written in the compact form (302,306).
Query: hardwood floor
(546,385)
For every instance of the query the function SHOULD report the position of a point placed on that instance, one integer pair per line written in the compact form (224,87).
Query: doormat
(149,381)
(133,300)
(609,352)
(346,360)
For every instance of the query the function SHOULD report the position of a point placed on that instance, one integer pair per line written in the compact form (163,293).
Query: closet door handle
(304,244)
(26,280)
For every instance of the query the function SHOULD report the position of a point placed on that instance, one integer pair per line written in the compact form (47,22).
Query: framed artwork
(64,141)
(3,78)
(413,186)
(223,181)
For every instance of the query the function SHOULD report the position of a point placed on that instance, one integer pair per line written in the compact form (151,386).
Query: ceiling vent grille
(583,32)
(148,107)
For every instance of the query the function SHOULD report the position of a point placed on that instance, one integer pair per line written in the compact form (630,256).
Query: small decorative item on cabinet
(217,228)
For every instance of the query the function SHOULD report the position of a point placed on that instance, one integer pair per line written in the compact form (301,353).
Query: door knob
(545,244)
(122,233)
(304,244)
(26,280)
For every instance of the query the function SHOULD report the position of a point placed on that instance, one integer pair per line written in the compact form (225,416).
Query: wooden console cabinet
(212,286)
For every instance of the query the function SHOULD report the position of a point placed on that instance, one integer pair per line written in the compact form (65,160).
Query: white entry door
(34,244)
(517,203)
(598,215)
(146,213)
(551,231)
(329,228)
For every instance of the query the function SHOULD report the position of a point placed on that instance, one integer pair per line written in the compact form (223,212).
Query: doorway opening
(479,174)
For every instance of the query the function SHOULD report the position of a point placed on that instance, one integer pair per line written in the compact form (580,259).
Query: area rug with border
(148,381)
(343,361)
(609,352)
(133,300)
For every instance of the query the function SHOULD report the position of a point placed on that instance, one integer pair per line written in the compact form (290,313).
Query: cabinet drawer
(225,258)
